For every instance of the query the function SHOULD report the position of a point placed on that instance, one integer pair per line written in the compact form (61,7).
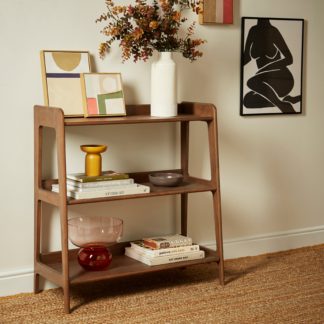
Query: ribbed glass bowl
(93,234)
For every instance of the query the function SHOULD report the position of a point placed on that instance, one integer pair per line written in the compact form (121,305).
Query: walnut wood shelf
(61,267)
(140,114)
(189,185)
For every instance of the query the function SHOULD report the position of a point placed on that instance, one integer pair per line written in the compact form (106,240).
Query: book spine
(164,259)
(100,178)
(179,257)
(100,188)
(167,251)
(55,188)
(98,184)
(110,192)
(130,189)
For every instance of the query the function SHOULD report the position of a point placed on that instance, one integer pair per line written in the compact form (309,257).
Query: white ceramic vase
(164,86)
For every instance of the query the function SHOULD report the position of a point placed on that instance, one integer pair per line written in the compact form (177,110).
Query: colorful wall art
(61,79)
(216,12)
(102,94)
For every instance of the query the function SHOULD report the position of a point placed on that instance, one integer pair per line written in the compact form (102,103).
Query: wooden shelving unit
(61,267)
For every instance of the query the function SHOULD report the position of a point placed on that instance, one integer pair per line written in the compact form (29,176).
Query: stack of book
(110,183)
(165,249)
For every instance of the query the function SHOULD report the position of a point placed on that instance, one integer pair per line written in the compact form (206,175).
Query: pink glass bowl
(93,234)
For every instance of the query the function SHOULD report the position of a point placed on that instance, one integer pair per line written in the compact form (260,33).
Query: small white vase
(164,86)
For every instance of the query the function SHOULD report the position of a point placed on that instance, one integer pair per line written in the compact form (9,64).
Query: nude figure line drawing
(272,83)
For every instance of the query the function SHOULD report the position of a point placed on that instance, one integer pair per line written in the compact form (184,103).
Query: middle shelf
(189,185)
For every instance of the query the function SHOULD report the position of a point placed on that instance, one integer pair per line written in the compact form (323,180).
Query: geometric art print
(61,79)
(102,94)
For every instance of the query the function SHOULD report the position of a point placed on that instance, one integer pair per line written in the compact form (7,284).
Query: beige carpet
(285,287)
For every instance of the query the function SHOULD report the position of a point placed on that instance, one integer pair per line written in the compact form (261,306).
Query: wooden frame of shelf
(61,267)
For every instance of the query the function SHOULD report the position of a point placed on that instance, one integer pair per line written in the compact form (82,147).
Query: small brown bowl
(166,179)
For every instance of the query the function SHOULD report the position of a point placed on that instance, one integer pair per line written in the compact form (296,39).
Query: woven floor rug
(285,287)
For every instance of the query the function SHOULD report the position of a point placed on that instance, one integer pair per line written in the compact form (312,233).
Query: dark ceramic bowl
(166,179)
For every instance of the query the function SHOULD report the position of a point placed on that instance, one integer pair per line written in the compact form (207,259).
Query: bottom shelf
(120,266)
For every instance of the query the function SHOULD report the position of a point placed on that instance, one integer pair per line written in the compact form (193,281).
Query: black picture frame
(271,66)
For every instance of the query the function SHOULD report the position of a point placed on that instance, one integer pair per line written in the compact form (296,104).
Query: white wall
(271,166)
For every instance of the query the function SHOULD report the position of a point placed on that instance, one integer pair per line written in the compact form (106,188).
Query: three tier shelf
(61,267)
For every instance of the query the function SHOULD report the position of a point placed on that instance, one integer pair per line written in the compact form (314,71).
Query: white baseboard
(272,242)
(15,282)
(19,281)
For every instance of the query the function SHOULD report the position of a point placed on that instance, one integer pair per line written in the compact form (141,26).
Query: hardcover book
(142,248)
(98,184)
(167,241)
(106,175)
(110,192)
(97,188)
(151,261)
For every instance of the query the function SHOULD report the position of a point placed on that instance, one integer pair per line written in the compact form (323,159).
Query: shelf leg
(53,118)
(66,292)
(184,134)
(37,229)
(61,161)
(184,213)
(214,169)
(219,235)
(65,254)
(38,140)
(36,283)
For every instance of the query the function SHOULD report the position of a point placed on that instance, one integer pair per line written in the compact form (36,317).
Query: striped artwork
(216,12)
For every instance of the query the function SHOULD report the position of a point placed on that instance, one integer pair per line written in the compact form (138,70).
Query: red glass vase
(94,257)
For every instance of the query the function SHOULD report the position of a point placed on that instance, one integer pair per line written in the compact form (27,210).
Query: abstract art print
(102,94)
(61,79)
(271,66)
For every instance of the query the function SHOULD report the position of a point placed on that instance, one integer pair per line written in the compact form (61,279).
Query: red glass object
(94,257)
(93,234)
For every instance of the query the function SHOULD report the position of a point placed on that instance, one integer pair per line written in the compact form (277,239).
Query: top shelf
(136,114)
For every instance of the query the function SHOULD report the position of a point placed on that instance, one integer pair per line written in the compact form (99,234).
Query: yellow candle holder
(93,159)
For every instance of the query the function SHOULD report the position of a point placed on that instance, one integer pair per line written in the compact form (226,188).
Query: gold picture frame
(102,94)
(61,79)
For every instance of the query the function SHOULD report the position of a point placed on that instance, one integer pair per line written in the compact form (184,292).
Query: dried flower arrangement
(144,27)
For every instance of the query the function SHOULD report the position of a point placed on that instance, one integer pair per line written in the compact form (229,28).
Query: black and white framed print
(271,66)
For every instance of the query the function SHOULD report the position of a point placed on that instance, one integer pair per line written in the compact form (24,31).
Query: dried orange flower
(176,16)
(154,24)
(138,32)
(149,25)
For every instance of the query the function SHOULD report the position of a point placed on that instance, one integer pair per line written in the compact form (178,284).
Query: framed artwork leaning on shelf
(271,66)
(102,94)
(61,79)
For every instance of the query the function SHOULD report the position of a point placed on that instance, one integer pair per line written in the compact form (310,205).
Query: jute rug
(285,287)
